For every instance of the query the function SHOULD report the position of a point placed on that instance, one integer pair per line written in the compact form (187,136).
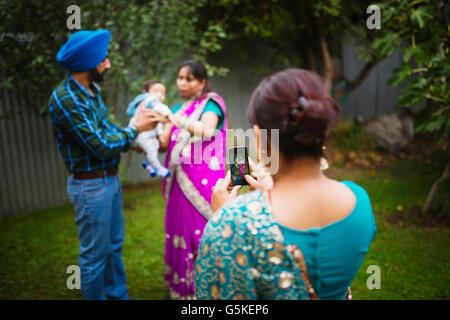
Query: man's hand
(137,149)
(147,119)
(220,194)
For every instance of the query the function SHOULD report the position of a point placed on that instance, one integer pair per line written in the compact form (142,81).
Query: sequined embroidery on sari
(242,255)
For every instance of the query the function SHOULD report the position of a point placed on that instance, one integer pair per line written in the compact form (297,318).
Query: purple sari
(195,167)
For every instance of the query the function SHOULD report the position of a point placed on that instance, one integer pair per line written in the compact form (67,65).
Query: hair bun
(310,118)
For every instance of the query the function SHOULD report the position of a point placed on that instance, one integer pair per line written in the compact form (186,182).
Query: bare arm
(206,126)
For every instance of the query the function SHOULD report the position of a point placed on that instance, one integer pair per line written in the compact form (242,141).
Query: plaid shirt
(86,139)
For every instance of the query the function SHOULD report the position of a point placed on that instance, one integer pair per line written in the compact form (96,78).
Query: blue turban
(84,50)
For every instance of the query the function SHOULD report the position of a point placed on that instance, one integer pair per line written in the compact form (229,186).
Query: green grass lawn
(413,257)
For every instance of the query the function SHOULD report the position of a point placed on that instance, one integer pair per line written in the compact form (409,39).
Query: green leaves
(332,8)
(414,93)
(211,38)
(435,123)
(387,44)
(418,28)
(400,75)
(418,53)
(421,15)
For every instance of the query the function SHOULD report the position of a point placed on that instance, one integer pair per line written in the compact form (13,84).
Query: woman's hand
(220,194)
(258,179)
(174,119)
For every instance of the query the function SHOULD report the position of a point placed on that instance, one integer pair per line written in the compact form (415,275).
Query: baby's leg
(151,146)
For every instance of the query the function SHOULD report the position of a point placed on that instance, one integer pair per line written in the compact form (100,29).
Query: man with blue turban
(90,146)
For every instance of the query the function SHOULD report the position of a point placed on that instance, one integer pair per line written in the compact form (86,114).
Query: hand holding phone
(220,194)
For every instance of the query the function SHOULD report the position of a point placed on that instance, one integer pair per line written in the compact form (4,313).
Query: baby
(152,96)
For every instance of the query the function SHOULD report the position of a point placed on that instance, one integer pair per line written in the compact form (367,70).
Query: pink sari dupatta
(195,167)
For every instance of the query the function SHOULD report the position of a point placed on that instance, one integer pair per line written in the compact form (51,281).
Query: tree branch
(329,69)
(363,74)
(434,189)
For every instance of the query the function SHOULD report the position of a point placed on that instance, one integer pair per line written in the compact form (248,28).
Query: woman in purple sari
(196,159)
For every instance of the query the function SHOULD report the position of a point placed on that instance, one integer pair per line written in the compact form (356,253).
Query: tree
(421,28)
(31,33)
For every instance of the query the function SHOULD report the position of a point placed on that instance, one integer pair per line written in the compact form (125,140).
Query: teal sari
(242,255)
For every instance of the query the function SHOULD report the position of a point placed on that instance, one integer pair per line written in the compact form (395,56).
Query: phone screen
(239,166)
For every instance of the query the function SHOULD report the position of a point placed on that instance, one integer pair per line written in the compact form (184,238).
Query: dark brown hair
(198,70)
(149,83)
(295,102)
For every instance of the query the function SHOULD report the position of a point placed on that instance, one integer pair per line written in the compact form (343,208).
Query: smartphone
(239,166)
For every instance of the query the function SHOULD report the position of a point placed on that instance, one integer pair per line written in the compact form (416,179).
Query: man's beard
(96,76)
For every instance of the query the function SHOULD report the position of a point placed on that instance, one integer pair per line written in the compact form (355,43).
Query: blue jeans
(100,223)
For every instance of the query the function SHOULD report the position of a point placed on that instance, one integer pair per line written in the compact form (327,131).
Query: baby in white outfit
(153,96)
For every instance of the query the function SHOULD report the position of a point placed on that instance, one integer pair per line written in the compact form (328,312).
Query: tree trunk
(310,57)
(329,69)
(434,189)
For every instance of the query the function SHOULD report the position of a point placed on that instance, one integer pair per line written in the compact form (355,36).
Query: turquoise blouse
(212,106)
(245,254)
(335,252)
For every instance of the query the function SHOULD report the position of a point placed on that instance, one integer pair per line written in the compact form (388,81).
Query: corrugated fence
(31,170)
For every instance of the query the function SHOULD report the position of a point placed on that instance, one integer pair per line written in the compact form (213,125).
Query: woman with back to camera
(196,159)
(305,235)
